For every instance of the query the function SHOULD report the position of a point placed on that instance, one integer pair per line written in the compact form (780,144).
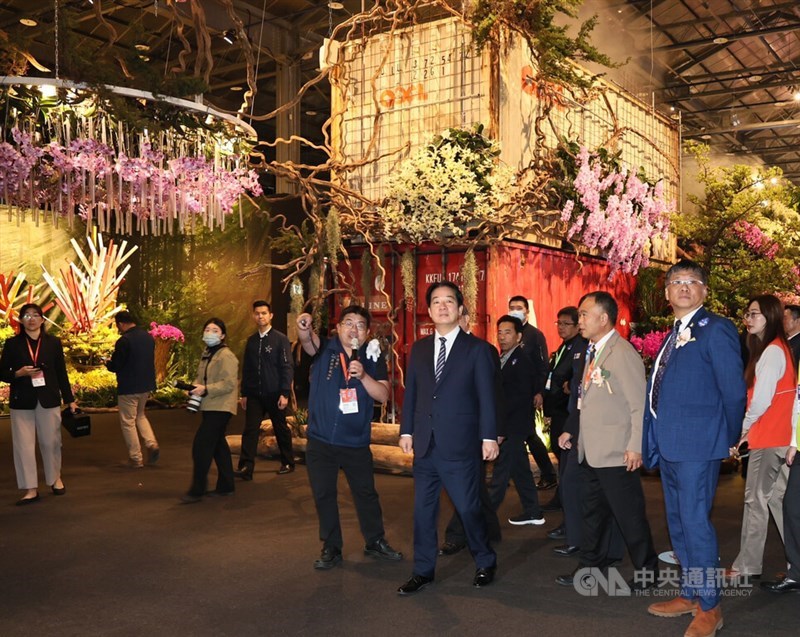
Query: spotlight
(28,22)
(335,6)
(229,36)
(796,95)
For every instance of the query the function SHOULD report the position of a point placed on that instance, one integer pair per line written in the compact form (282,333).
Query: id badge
(37,379)
(348,401)
(579,404)
(547,384)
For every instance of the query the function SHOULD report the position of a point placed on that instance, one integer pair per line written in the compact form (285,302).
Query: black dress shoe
(382,551)
(566,550)
(451,548)
(219,494)
(285,468)
(23,501)
(329,558)
(414,585)
(785,585)
(566,580)
(484,577)
(644,580)
(59,491)
(190,498)
(244,474)
(558,533)
(546,483)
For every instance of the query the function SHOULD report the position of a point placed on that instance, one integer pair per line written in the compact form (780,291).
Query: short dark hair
(570,311)
(356,309)
(794,310)
(607,302)
(124,317)
(262,303)
(689,266)
(521,299)
(218,322)
(506,318)
(443,284)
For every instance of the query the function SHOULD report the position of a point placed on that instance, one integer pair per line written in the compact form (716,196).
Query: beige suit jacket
(612,413)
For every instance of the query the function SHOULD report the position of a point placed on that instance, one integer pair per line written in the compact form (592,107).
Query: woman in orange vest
(770,377)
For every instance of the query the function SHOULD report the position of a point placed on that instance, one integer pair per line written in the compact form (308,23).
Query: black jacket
(535,346)
(573,424)
(555,400)
(267,367)
(133,361)
(516,403)
(23,394)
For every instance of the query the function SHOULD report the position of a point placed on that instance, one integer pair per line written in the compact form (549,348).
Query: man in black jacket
(266,384)
(133,361)
(535,346)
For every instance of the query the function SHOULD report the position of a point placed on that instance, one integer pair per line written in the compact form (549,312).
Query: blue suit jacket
(702,399)
(461,408)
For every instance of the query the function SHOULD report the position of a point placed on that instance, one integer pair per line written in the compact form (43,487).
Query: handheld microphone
(354,345)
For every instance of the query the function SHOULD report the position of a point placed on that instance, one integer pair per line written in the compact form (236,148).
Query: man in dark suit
(449,422)
(516,414)
(556,388)
(791,324)
(693,415)
(610,444)
(535,345)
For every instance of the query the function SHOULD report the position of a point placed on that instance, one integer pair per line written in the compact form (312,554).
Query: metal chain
(56,37)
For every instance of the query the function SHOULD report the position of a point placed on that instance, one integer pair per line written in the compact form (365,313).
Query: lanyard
(559,354)
(345,371)
(34,357)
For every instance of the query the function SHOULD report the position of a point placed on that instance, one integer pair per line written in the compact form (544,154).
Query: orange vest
(774,428)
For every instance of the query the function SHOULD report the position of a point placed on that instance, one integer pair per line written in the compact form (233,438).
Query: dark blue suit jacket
(702,399)
(460,411)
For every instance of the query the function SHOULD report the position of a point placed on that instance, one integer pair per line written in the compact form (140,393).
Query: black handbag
(77,424)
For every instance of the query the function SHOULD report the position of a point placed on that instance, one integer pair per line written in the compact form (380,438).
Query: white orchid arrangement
(454,181)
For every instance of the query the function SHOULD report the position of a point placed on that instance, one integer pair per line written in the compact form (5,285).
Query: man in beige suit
(611,404)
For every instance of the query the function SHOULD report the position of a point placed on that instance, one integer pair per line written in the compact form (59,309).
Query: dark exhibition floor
(118,555)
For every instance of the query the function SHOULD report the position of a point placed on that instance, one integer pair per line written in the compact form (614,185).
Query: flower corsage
(600,377)
(684,337)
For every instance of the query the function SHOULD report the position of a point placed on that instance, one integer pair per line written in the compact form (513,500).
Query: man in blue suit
(449,422)
(693,415)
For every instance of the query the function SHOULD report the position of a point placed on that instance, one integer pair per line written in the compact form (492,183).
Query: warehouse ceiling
(727,70)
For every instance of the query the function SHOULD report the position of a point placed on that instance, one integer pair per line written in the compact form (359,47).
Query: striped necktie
(441,358)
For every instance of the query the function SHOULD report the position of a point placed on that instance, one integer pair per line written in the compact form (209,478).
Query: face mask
(518,314)
(212,340)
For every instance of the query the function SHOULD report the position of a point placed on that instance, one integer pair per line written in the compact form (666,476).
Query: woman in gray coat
(216,381)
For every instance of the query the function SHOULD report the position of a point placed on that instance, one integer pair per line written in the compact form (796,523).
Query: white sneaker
(523,519)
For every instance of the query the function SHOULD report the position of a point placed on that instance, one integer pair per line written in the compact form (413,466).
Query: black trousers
(611,494)
(257,407)
(791,520)
(557,421)
(210,444)
(323,462)
(512,463)
(455,533)
(541,457)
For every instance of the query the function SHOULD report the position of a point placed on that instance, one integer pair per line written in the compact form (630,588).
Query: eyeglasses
(361,327)
(28,317)
(750,315)
(565,323)
(687,282)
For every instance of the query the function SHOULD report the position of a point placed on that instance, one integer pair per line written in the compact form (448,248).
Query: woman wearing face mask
(217,383)
(770,376)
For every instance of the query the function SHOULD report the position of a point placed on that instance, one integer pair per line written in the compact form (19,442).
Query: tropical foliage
(745,230)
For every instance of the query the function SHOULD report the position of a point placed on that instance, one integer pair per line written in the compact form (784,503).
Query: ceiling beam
(730,37)
(783,123)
